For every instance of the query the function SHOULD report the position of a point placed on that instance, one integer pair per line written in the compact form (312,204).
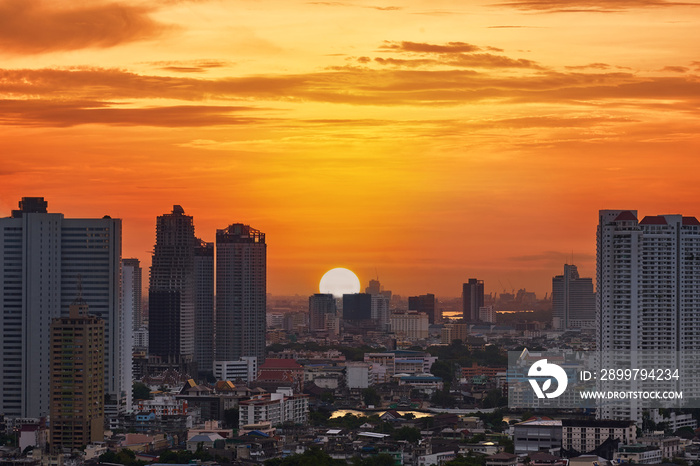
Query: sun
(339,281)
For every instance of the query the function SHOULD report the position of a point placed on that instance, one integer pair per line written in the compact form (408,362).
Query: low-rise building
(670,446)
(409,325)
(502,459)
(244,369)
(584,435)
(162,405)
(537,435)
(638,454)
(276,408)
(359,375)
(426,383)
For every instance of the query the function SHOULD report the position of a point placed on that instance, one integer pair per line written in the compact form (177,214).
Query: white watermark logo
(542,369)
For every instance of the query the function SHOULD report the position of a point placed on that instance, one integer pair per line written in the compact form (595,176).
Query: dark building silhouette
(424,303)
(357,306)
(241,287)
(171,300)
(573,300)
(472,299)
(204,306)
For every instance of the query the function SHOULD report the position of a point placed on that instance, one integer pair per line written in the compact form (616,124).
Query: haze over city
(423,142)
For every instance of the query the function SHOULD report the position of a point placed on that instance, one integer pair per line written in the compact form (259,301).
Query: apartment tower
(648,299)
(77,378)
(241,264)
(41,256)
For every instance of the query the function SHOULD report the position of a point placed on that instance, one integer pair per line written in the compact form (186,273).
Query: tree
(469,460)
(493,399)
(141,391)
(371,397)
(231,417)
(443,398)
(410,434)
(314,456)
(382,459)
(444,370)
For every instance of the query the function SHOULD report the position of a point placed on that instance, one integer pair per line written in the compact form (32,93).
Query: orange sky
(433,141)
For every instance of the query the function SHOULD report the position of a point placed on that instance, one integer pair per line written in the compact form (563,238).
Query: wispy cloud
(66,114)
(33,26)
(594,6)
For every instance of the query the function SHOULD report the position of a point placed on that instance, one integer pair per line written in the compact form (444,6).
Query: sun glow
(339,281)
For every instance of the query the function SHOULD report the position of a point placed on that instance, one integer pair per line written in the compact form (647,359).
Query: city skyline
(425,142)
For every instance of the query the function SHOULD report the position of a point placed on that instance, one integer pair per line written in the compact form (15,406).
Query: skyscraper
(132,285)
(204,306)
(172,289)
(41,256)
(131,312)
(424,303)
(77,378)
(472,299)
(241,286)
(573,300)
(648,276)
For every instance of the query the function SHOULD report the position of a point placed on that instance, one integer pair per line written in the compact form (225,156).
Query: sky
(420,142)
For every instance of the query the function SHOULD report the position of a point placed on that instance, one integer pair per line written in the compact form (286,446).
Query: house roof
(224,385)
(654,220)
(272,363)
(625,215)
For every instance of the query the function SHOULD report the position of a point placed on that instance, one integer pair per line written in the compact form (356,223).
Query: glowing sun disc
(339,281)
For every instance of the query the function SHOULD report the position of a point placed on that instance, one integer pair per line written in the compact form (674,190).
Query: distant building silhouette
(424,303)
(357,306)
(573,300)
(322,308)
(472,299)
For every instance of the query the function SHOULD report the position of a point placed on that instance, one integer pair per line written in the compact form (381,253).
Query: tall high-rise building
(131,312)
(132,286)
(41,256)
(77,378)
(648,276)
(573,300)
(241,265)
(424,303)
(648,297)
(374,287)
(172,289)
(472,299)
(320,307)
(204,306)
